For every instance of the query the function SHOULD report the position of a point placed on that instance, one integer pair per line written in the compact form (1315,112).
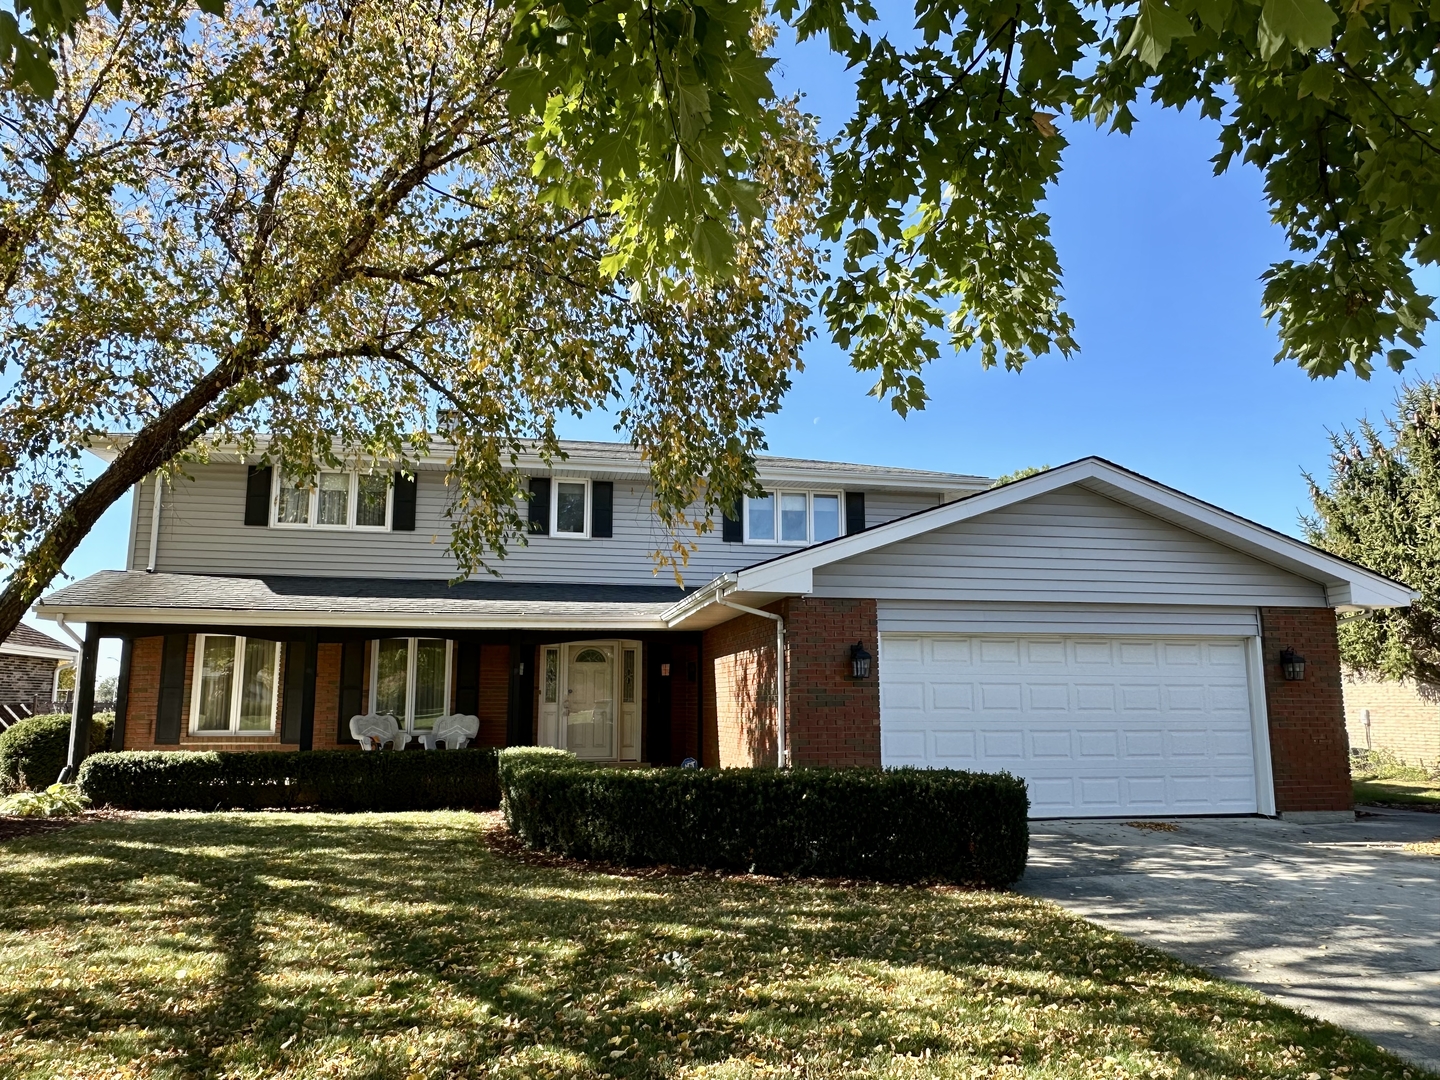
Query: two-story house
(1113,641)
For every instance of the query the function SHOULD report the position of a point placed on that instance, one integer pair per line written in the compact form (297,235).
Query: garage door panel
(1095,725)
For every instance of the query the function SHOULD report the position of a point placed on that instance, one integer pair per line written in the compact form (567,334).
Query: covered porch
(283,663)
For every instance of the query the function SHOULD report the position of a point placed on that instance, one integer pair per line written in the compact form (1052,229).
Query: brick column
(833,719)
(1309,751)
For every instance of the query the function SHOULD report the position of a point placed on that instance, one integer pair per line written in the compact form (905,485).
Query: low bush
(58,800)
(890,825)
(345,780)
(34,750)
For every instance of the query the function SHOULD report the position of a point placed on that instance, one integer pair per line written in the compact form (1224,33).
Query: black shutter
(854,512)
(402,506)
(257,495)
(731,530)
(602,509)
(539,506)
(467,677)
(172,689)
(352,687)
(292,692)
(520,714)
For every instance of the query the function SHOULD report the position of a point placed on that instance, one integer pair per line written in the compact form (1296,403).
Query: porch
(271,671)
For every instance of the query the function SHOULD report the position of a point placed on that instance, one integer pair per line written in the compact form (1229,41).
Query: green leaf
(1157,26)
(1318,80)
(714,246)
(209,7)
(525,90)
(1305,24)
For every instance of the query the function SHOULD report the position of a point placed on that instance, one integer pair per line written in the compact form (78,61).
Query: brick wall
(1308,749)
(833,719)
(1404,717)
(328,722)
(26,678)
(144,698)
(739,704)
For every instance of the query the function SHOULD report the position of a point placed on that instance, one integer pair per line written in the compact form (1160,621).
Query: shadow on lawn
(396,946)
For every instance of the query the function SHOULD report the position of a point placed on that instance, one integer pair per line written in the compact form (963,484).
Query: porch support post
(122,696)
(307,691)
(84,710)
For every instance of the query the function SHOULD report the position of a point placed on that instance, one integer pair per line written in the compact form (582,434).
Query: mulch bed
(499,839)
(12,827)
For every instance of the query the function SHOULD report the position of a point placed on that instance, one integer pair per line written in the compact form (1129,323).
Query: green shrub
(890,825)
(322,779)
(58,800)
(34,750)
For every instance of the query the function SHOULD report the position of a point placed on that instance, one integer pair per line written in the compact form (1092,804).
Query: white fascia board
(509,620)
(1346,585)
(39,652)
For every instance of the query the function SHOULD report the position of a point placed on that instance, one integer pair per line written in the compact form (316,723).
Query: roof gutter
(784,750)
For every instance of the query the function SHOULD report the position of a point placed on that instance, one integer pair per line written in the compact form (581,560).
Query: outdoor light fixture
(859,661)
(1292,664)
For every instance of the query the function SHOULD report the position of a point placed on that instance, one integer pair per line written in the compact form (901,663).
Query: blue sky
(1175,377)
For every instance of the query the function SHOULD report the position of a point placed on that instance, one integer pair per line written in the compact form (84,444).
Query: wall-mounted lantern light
(859,661)
(1292,664)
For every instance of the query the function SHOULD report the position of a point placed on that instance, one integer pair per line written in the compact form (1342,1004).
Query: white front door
(588,711)
(1096,726)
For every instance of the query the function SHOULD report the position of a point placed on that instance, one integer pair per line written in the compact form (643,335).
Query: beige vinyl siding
(1070,546)
(202,530)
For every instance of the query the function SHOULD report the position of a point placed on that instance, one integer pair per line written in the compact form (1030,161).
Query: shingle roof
(30,638)
(140,595)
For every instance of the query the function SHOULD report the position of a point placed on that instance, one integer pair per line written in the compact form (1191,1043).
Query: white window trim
(232,732)
(407,722)
(555,482)
(775,495)
(313,512)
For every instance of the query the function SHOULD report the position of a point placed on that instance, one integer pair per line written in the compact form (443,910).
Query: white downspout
(79,641)
(155,520)
(779,671)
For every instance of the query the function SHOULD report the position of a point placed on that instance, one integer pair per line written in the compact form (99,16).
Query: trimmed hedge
(34,750)
(886,825)
(345,780)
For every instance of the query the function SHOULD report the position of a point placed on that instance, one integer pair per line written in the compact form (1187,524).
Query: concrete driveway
(1336,920)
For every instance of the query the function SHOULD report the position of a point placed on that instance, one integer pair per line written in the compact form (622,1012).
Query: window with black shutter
(172,689)
(732,529)
(352,687)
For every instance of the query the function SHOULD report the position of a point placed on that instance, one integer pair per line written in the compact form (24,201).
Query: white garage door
(1096,726)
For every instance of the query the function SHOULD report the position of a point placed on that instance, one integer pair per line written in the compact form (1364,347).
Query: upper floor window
(337,500)
(236,685)
(571,511)
(792,517)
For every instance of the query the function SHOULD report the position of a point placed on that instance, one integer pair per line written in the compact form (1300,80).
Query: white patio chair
(374,730)
(455,731)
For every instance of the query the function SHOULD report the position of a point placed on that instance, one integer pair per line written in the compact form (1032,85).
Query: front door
(588,711)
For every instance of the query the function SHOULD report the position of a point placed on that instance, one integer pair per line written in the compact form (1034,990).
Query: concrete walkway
(1336,920)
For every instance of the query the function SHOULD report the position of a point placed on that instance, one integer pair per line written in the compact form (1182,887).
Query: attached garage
(1113,641)
(1095,725)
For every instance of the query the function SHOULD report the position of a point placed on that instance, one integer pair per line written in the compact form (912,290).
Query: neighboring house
(30,668)
(1111,640)
(1400,716)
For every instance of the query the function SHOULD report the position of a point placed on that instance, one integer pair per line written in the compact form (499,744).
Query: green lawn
(1398,792)
(312,945)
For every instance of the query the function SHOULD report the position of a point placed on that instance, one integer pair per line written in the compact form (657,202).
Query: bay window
(410,680)
(792,517)
(236,685)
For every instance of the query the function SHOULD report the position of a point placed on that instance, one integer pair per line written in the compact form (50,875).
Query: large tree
(1380,507)
(939,180)
(323,221)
